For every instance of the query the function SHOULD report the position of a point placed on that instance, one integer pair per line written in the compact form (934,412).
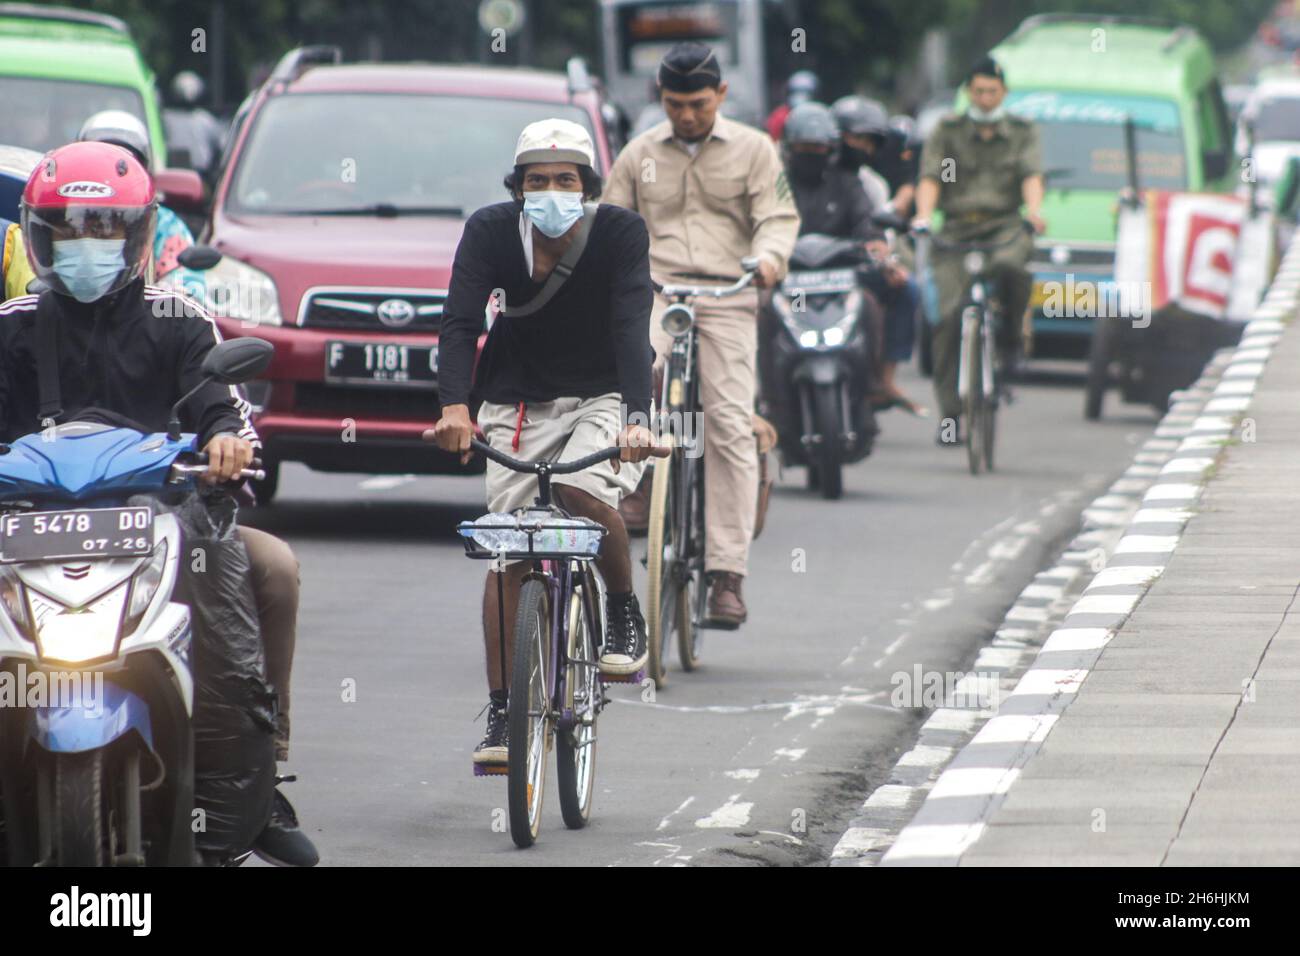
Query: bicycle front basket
(531,535)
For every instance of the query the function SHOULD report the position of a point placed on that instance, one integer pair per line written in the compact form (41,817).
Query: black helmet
(810,123)
(859,116)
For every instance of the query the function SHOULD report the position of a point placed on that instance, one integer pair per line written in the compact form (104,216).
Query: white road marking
(730,814)
(663,824)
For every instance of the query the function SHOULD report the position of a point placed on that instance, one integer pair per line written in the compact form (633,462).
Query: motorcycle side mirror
(36,287)
(230,363)
(198,257)
(237,360)
(182,188)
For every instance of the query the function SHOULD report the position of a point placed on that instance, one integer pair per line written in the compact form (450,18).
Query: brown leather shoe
(635,508)
(726,606)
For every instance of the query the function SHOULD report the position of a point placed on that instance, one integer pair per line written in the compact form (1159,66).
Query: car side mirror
(1214,164)
(182,188)
(199,257)
(236,361)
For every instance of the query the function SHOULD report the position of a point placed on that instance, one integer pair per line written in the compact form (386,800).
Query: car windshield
(41,114)
(1083,139)
(382,154)
(1278,120)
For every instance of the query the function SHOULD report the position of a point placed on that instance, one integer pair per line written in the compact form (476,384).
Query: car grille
(376,311)
(358,401)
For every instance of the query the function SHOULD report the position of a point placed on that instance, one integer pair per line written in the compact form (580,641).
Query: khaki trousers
(727,333)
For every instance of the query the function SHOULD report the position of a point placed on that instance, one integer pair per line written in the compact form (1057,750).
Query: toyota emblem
(395,313)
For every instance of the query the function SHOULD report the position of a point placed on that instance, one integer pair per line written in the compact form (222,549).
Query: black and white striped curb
(1127,537)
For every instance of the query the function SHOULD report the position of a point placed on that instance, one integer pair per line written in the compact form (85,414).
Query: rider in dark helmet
(801,87)
(868,139)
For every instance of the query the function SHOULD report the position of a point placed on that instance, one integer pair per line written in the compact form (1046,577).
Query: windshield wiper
(383,210)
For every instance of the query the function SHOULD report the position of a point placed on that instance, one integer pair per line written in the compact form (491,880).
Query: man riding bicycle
(556,383)
(712,192)
(979,168)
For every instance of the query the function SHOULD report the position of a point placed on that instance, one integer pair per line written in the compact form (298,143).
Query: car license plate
(382,363)
(820,281)
(89,533)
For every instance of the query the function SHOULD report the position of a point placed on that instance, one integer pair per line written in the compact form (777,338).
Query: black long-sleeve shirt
(836,205)
(135,352)
(593,337)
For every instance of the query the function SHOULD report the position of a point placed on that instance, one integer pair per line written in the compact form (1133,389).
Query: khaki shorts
(563,430)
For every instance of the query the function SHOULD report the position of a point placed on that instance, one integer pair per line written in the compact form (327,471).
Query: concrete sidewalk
(1181,744)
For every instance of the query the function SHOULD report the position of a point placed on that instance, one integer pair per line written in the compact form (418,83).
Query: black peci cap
(986,66)
(688,67)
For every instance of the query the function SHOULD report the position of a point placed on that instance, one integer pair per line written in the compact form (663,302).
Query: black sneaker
(625,643)
(282,842)
(493,749)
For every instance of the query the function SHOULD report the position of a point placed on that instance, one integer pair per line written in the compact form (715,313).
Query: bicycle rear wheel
(528,715)
(991,396)
(661,561)
(575,749)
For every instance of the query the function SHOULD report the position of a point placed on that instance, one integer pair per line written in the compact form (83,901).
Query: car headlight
(14,599)
(235,290)
(80,635)
(144,585)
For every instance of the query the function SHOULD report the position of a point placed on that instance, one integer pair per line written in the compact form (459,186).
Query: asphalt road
(760,757)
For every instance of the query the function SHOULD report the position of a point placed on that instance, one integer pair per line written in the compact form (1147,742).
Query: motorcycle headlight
(80,635)
(808,338)
(235,290)
(144,585)
(974,263)
(14,599)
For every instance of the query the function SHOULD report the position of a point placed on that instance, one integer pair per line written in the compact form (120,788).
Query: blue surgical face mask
(88,267)
(553,211)
(986,116)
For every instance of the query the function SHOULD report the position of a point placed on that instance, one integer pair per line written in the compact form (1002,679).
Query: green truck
(1082,78)
(58,66)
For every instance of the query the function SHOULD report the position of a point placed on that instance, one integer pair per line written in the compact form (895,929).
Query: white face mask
(986,116)
(88,267)
(553,211)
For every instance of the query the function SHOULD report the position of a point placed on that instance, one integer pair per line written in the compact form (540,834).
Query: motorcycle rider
(88,213)
(172,236)
(801,87)
(870,142)
(556,383)
(979,168)
(712,192)
(832,201)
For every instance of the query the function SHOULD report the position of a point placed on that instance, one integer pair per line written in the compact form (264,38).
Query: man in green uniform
(978,169)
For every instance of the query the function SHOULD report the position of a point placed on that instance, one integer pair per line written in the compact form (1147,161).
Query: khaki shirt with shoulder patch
(708,211)
(980,180)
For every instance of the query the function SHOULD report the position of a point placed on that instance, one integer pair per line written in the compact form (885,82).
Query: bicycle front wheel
(689,522)
(991,397)
(575,749)
(661,562)
(528,715)
(975,400)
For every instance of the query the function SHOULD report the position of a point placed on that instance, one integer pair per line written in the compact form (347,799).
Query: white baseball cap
(555,141)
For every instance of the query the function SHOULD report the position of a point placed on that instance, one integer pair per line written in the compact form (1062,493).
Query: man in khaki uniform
(712,191)
(979,168)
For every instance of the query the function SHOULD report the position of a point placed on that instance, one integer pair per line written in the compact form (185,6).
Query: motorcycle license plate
(89,533)
(820,281)
(382,363)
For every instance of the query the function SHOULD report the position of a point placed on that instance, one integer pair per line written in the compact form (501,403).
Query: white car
(1272,115)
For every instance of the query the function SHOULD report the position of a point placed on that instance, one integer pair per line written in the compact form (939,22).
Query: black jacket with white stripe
(135,352)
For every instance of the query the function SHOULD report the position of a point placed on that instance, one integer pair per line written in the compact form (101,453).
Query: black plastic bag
(234,708)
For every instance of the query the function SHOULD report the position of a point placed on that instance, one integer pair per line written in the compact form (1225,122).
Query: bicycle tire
(990,403)
(575,751)
(662,590)
(691,598)
(528,713)
(974,401)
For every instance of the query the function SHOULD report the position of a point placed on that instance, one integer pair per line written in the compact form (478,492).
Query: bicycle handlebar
(713,292)
(555,468)
(948,246)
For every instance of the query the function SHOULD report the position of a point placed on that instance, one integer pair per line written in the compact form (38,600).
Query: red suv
(341,199)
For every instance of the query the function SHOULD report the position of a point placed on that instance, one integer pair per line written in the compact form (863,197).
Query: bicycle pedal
(490,770)
(636,678)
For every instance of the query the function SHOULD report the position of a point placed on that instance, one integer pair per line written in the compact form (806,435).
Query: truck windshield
(382,153)
(40,114)
(1083,138)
